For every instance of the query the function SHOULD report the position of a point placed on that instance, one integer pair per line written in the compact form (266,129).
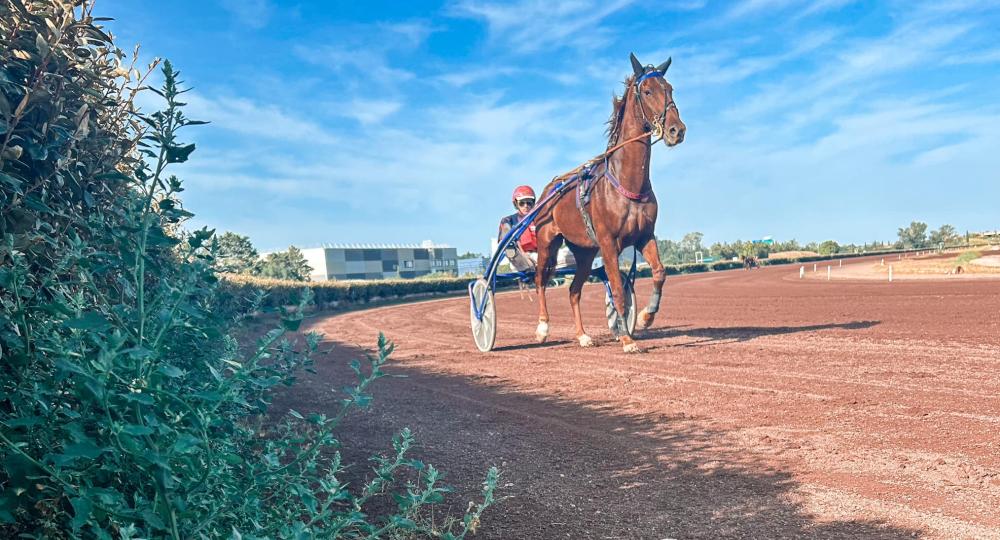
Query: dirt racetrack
(765,407)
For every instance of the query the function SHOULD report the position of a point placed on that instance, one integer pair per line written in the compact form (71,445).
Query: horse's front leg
(610,252)
(651,253)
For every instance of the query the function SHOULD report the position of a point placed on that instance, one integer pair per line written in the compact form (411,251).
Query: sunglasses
(526,202)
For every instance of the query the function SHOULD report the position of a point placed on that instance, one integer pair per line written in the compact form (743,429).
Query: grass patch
(967,257)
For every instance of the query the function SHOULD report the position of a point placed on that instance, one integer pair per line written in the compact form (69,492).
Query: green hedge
(238,293)
(692,268)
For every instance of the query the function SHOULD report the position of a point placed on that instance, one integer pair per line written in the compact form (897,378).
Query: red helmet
(522,192)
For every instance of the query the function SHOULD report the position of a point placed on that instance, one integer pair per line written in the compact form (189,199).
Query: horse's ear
(662,68)
(636,66)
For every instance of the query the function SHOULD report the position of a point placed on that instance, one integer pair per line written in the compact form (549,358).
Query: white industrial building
(380,261)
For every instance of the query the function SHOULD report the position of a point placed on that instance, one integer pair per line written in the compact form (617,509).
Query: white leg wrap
(585,341)
(542,332)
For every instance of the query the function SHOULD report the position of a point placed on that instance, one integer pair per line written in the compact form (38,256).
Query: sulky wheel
(631,313)
(484,328)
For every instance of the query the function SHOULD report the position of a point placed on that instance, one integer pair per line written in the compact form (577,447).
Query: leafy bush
(127,409)
(235,254)
(726,265)
(289,265)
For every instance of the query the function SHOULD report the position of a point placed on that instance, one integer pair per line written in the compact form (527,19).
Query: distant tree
(692,242)
(945,235)
(914,236)
(829,247)
(725,250)
(811,246)
(235,254)
(470,255)
(670,252)
(789,245)
(286,265)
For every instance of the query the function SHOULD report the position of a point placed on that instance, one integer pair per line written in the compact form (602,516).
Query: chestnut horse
(622,207)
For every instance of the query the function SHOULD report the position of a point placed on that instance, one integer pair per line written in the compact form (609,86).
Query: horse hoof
(542,333)
(631,348)
(585,341)
(646,319)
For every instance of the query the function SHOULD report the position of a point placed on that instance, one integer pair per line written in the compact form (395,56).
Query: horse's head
(655,100)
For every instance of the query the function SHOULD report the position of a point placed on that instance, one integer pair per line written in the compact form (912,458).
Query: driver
(523,253)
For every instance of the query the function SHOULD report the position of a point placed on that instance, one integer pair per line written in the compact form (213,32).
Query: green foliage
(914,236)
(828,247)
(946,235)
(470,255)
(290,265)
(237,294)
(127,410)
(967,257)
(235,254)
(683,252)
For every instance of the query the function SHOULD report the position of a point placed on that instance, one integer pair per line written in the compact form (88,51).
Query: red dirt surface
(766,406)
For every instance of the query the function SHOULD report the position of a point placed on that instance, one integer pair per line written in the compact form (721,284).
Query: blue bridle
(653,73)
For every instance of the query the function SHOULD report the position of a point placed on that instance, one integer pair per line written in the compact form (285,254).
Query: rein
(607,153)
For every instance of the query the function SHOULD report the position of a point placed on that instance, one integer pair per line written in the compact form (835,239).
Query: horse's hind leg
(651,253)
(543,272)
(584,259)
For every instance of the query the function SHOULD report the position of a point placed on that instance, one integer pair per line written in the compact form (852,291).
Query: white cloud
(246,117)
(252,13)
(367,112)
(979,57)
(410,33)
(532,25)
(363,51)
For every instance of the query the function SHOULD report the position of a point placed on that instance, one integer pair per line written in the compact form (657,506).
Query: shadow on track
(535,345)
(733,334)
(599,338)
(575,469)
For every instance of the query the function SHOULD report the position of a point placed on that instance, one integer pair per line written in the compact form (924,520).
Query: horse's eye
(648,93)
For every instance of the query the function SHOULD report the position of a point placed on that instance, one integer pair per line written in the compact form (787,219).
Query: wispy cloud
(531,25)
(251,13)
(358,61)
(980,57)
(244,116)
(369,111)
(466,76)
(364,51)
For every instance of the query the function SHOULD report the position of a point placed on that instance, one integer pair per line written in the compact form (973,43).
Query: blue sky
(407,121)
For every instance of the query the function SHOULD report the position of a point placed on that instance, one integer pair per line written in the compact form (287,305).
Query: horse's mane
(614,130)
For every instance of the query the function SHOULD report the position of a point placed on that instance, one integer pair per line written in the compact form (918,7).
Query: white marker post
(890,273)
(841,263)
(802,272)
(882,262)
(814,267)
(828,273)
